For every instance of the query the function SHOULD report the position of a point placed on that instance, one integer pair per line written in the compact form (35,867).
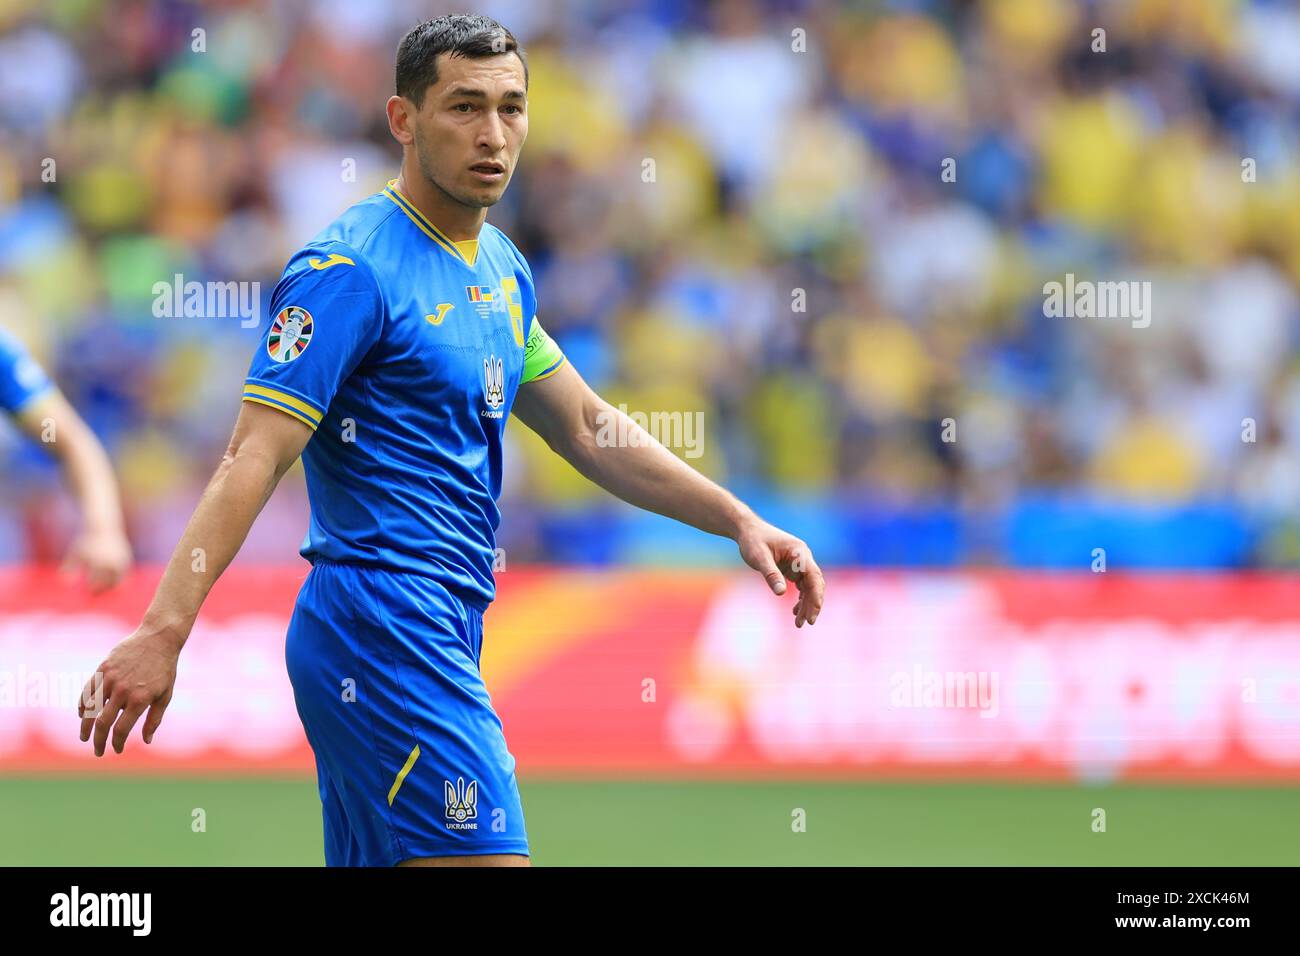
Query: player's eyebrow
(477,94)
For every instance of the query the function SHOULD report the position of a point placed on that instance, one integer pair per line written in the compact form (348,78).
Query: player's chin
(489,193)
(488,198)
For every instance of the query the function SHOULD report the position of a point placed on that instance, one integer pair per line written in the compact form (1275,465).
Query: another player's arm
(568,415)
(101,550)
(140,672)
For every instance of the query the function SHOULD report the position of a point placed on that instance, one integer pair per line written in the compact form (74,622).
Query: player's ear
(401,113)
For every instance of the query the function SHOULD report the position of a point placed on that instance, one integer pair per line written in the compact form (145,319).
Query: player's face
(471,126)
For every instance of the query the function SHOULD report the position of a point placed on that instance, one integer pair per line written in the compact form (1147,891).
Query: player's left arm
(565,411)
(101,550)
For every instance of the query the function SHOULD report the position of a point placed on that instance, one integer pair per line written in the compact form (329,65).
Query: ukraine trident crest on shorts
(462,801)
(290,334)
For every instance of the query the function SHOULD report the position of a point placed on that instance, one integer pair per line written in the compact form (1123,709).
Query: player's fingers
(811,608)
(93,696)
(766,566)
(112,707)
(818,598)
(122,729)
(155,718)
(812,590)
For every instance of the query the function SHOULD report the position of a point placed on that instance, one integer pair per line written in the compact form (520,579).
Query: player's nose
(492,134)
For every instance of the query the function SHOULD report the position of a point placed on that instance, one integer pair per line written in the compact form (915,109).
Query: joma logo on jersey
(494,386)
(335,259)
(462,804)
(435,318)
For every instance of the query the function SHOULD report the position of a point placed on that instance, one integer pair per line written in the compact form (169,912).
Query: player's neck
(456,220)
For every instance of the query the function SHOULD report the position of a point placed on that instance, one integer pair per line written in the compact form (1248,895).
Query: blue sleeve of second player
(21,379)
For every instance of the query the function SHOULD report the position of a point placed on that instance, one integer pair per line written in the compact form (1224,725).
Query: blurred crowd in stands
(837,257)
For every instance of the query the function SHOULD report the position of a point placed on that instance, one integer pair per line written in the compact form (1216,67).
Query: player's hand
(777,556)
(102,556)
(138,675)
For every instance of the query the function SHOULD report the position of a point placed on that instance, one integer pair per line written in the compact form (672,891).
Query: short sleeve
(326,314)
(21,379)
(542,357)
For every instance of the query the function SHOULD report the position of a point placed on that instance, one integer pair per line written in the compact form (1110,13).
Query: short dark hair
(458,35)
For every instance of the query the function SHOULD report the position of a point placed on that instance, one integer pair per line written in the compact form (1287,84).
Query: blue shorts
(410,756)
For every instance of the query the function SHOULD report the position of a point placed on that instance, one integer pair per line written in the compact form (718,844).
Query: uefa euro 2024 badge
(290,334)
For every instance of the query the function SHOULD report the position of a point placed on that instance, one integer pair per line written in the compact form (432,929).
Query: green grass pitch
(86,821)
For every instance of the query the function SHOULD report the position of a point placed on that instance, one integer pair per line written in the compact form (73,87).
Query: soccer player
(100,552)
(402,336)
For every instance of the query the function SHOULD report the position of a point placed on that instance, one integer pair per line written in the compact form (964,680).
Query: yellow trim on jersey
(285,402)
(421,220)
(285,397)
(280,408)
(468,248)
(401,774)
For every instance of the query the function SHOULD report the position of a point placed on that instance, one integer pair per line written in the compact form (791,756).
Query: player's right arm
(328,313)
(140,672)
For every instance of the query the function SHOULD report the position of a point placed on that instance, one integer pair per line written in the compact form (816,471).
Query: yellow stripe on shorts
(401,774)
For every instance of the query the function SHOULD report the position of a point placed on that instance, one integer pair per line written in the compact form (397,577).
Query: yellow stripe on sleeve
(281,408)
(283,397)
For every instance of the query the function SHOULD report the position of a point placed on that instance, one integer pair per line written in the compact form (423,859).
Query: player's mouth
(489,172)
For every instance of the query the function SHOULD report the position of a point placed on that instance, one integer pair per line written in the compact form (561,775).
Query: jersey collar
(465,251)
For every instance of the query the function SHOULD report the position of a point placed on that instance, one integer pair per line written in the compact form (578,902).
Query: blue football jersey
(403,351)
(21,379)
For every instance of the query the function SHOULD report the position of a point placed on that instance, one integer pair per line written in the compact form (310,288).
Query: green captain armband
(542,357)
